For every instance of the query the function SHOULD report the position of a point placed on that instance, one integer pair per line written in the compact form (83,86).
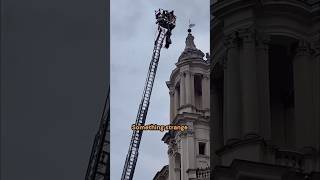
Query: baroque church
(265,90)
(189,89)
(254,108)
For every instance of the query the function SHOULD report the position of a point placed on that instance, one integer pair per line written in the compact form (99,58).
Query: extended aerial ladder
(99,163)
(166,22)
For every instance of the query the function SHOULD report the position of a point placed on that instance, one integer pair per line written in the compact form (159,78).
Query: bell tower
(189,87)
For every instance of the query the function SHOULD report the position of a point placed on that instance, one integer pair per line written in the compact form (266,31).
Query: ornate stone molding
(224,60)
(262,40)
(170,151)
(187,72)
(173,148)
(186,133)
(232,40)
(171,92)
(247,35)
(206,76)
(208,58)
(303,48)
(182,74)
(316,46)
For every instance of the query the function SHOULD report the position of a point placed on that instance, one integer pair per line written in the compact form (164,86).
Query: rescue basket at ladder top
(166,20)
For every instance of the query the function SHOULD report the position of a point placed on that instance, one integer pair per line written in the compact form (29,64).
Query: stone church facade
(189,89)
(265,90)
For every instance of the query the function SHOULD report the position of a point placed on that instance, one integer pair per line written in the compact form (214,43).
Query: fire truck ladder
(165,22)
(99,163)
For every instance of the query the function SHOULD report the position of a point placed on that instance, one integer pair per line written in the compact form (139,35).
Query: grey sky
(133,31)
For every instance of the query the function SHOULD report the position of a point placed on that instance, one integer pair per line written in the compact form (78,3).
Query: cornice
(224,7)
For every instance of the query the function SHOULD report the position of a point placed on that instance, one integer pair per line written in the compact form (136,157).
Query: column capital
(316,46)
(232,40)
(187,72)
(170,151)
(171,92)
(205,76)
(262,40)
(223,59)
(248,35)
(182,74)
(303,48)
(186,133)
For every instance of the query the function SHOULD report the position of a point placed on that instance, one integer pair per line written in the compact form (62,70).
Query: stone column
(176,102)
(205,92)
(189,135)
(192,89)
(248,75)
(171,165)
(317,90)
(171,104)
(188,87)
(182,90)
(184,157)
(232,113)
(178,169)
(216,121)
(304,114)
(303,94)
(262,50)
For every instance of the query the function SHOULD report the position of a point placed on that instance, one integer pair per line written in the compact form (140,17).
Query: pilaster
(232,111)
(182,89)
(316,81)
(249,87)
(188,87)
(171,93)
(176,101)
(304,115)
(262,56)
(192,100)
(205,92)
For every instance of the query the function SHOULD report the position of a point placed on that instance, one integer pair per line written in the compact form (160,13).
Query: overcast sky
(133,31)
(54,77)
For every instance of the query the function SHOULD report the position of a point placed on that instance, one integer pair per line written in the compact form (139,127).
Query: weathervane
(190,26)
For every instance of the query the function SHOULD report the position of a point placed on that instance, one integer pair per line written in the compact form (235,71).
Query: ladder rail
(100,142)
(133,152)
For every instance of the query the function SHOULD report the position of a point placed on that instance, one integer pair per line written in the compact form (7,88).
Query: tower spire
(190,50)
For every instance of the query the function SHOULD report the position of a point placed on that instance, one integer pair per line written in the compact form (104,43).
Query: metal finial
(190,26)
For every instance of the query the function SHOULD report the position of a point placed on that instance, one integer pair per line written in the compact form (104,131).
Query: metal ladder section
(99,163)
(133,152)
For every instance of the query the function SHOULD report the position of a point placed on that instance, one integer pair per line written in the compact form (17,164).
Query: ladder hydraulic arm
(166,22)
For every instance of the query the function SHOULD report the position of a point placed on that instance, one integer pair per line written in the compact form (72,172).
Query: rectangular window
(202,148)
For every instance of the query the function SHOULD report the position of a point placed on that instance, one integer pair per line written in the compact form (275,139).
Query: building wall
(265,83)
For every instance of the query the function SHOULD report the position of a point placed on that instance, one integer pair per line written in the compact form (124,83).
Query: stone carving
(247,35)
(208,58)
(303,48)
(232,40)
(262,40)
(188,132)
(316,46)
